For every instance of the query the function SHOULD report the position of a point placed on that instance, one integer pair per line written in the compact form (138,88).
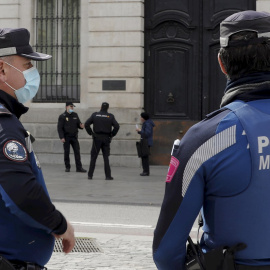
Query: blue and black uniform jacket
(222,167)
(147,131)
(28,217)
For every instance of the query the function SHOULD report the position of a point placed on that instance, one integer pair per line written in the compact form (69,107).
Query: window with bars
(57,24)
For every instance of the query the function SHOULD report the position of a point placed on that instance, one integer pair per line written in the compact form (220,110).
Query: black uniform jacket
(102,124)
(68,124)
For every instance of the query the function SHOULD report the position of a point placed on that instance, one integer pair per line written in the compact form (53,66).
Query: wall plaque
(113,85)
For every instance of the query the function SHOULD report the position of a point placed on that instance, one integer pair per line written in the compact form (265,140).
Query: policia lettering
(263,142)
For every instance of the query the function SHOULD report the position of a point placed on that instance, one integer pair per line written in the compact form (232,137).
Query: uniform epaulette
(32,138)
(4,110)
(214,113)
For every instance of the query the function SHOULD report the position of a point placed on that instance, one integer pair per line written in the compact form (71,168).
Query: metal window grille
(58,33)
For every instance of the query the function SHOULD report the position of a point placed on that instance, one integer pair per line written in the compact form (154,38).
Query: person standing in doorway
(146,132)
(102,133)
(68,125)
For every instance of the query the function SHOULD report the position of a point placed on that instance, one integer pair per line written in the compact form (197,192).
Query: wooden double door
(183,81)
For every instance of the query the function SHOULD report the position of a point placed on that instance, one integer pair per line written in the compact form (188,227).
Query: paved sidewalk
(121,249)
(120,252)
(128,187)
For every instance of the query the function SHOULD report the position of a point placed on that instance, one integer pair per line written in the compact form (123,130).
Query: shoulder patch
(174,163)
(15,151)
(4,110)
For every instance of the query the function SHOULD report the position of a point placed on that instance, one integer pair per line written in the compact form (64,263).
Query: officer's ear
(221,65)
(3,76)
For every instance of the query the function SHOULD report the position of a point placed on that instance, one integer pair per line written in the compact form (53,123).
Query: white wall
(9,13)
(263,5)
(115,51)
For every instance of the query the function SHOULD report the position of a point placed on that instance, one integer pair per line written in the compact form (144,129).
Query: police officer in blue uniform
(68,125)
(105,127)
(222,164)
(29,221)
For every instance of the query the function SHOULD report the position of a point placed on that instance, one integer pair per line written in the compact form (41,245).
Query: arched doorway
(183,81)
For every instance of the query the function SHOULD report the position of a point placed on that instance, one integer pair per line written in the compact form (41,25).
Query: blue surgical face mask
(30,89)
(70,111)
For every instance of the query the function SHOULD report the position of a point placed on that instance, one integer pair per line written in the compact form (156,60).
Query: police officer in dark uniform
(29,220)
(68,125)
(102,134)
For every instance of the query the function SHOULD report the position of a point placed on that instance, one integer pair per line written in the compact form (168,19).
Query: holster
(218,259)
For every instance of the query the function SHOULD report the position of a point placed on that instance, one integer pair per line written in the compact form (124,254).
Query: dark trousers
(104,145)
(73,141)
(145,163)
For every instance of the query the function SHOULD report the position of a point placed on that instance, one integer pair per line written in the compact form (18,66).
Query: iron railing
(57,24)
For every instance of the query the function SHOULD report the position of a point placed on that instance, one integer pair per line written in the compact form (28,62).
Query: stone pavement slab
(120,252)
(128,187)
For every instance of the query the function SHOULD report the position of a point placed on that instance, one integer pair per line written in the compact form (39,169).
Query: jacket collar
(247,88)
(12,104)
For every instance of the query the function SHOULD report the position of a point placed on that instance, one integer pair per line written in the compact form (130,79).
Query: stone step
(45,115)
(118,147)
(49,130)
(42,124)
(116,161)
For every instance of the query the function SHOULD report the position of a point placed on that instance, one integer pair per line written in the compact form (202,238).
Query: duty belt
(101,135)
(26,266)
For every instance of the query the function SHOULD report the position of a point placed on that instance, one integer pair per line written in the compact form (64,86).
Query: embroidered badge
(174,163)
(15,151)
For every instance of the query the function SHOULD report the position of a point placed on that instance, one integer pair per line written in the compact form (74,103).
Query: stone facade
(112,48)
(112,42)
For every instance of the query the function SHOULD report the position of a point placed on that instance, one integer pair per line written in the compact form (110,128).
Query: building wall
(112,44)
(263,5)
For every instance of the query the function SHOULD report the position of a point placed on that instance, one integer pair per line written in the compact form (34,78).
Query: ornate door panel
(172,41)
(183,81)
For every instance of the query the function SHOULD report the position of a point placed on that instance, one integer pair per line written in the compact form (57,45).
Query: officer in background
(222,163)
(102,134)
(29,220)
(68,125)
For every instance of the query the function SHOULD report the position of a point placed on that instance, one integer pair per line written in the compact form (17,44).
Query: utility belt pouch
(5,264)
(217,259)
(194,257)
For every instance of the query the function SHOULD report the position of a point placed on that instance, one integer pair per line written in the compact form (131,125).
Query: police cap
(249,20)
(15,41)
(69,103)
